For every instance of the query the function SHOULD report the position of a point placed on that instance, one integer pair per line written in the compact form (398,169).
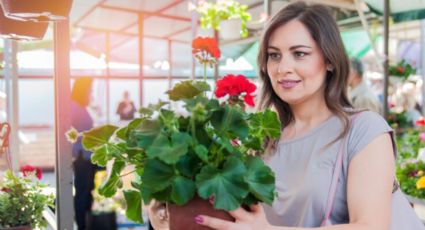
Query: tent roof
(99,22)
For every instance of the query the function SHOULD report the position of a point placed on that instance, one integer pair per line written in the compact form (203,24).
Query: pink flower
(422,136)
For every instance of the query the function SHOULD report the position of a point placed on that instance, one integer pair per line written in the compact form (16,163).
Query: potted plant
(224,15)
(211,148)
(400,71)
(22,200)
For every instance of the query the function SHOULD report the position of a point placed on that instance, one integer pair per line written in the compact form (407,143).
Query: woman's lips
(288,84)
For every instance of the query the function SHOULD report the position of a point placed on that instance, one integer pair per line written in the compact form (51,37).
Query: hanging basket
(37,10)
(230,29)
(20,30)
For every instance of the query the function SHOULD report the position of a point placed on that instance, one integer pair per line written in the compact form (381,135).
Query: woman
(84,170)
(305,70)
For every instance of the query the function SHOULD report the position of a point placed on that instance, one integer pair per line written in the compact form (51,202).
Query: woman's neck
(306,117)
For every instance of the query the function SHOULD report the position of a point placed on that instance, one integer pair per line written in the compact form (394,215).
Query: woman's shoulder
(367,119)
(365,127)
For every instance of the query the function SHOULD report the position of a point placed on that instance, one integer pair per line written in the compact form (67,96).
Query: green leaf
(109,187)
(185,90)
(230,119)
(145,112)
(202,152)
(146,133)
(265,124)
(183,190)
(227,185)
(189,165)
(260,179)
(124,133)
(168,118)
(105,153)
(157,106)
(201,85)
(98,137)
(134,205)
(157,175)
(170,151)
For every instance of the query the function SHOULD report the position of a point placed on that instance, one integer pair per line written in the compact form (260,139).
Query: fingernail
(199,219)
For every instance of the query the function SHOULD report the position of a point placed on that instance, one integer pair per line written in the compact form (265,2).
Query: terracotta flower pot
(37,10)
(20,30)
(183,217)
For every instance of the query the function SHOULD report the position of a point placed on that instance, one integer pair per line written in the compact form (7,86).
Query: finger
(240,214)
(256,208)
(213,223)
(211,199)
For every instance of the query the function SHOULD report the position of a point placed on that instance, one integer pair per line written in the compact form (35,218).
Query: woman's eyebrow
(299,46)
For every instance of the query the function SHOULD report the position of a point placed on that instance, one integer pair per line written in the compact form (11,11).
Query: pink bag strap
(335,176)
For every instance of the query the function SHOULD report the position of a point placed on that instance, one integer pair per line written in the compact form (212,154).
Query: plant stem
(205,71)
(128,173)
(192,127)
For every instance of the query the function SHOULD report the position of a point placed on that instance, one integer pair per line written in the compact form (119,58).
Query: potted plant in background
(400,71)
(227,16)
(211,149)
(23,199)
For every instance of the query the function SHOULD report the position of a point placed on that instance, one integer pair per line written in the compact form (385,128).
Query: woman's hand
(244,220)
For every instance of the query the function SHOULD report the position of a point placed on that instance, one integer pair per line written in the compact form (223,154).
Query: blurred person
(126,108)
(409,103)
(84,170)
(361,95)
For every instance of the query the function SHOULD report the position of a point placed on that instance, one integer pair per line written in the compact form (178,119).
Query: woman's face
(296,65)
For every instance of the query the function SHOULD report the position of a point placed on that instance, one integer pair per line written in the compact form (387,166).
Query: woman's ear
(329,68)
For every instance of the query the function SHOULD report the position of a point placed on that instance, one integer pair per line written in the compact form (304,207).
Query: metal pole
(108,73)
(267,7)
(422,64)
(140,25)
(12,109)
(194,25)
(64,171)
(217,64)
(369,35)
(170,61)
(386,64)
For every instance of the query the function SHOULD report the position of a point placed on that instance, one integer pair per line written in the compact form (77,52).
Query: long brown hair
(324,30)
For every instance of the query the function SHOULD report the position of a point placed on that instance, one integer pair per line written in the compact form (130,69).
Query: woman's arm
(369,188)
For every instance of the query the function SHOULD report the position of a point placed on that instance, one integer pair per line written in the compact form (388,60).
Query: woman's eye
(274,56)
(299,54)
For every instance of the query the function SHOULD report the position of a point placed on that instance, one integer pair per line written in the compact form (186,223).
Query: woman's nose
(285,65)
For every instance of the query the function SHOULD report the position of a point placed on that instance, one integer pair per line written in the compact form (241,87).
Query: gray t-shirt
(304,167)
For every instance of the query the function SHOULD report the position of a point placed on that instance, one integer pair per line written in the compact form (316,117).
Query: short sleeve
(366,126)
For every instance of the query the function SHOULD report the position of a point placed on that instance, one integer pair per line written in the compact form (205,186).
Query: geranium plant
(410,175)
(212,13)
(402,69)
(212,151)
(22,199)
(206,51)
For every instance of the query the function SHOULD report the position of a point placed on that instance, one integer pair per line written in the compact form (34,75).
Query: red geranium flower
(6,190)
(400,69)
(207,44)
(420,122)
(234,86)
(29,170)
